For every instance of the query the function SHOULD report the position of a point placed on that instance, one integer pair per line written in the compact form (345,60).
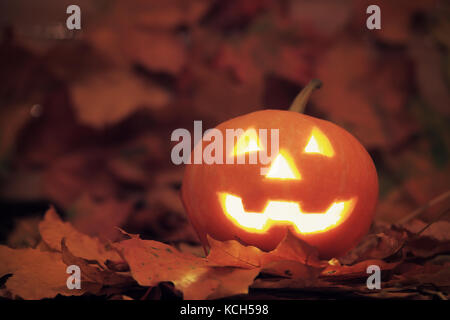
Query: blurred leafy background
(86,116)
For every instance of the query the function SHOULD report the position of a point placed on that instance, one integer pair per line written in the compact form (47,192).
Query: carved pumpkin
(322,185)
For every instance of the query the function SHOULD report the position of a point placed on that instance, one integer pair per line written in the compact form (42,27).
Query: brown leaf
(94,272)
(219,282)
(381,243)
(152,262)
(53,230)
(295,249)
(233,254)
(36,274)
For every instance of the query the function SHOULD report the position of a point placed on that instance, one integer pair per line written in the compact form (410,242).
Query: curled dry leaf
(93,271)
(385,241)
(152,262)
(233,253)
(219,282)
(293,259)
(53,230)
(292,248)
(230,269)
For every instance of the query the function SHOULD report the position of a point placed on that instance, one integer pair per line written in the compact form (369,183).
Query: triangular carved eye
(319,143)
(283,167)
(247,142)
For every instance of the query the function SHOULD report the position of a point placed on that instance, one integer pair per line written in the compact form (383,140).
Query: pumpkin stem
(299,103)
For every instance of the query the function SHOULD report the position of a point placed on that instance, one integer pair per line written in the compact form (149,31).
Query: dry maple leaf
(36,274)
(53,230)
(293,259)
(295,249)
(95,273)
(380,243)
(219,282)
(233,253)
(152,262)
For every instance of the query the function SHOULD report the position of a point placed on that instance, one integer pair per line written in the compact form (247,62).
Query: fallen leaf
(35,274)
(152,262)
(53,230)
(219,282)
(234,254)
(94,272)
(295,249)
(380,243)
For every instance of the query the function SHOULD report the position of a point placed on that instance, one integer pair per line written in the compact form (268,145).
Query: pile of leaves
(413,265)
(86,118)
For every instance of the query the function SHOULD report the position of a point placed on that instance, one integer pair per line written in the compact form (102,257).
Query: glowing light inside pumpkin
(247,142)
(319,143)
(285,213)
(283,167)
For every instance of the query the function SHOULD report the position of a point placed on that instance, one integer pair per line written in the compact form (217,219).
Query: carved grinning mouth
(285,213)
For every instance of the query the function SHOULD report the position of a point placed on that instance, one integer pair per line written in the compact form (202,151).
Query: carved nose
(283,167)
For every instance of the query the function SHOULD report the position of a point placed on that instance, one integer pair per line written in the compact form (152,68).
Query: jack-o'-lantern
(321,184)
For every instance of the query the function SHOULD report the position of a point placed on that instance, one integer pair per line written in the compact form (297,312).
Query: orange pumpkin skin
(348,174)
